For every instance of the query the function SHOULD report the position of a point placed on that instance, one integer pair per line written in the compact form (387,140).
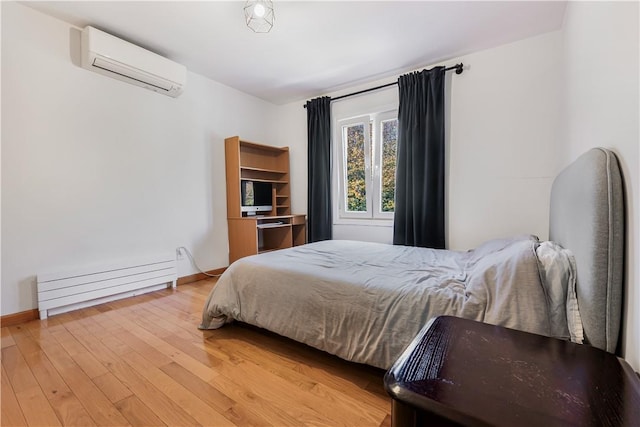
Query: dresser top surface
(479,374)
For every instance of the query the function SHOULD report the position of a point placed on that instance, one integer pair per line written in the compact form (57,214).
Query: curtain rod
(457,67)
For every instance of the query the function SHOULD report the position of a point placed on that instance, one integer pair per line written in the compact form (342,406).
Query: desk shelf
(248,161)
(254,235)
(278,229)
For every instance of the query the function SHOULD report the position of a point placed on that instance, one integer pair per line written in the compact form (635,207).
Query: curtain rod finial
(459,68)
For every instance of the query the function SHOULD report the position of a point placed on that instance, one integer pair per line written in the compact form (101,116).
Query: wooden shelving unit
(277,229)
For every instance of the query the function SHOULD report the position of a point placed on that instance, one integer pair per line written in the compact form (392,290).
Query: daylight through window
(368,166)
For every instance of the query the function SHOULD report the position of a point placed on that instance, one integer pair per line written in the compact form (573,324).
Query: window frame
(342,166)
(378,118)
(373,168)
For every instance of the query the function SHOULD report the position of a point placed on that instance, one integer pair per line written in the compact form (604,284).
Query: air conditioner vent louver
(127,72)
(119,59)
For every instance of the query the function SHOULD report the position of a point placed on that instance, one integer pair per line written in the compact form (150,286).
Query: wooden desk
(254,235)
(461,372)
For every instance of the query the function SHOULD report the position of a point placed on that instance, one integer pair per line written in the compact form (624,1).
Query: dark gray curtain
(419,197)
(319,218)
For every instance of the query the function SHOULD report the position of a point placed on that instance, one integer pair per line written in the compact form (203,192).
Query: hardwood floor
(143,362)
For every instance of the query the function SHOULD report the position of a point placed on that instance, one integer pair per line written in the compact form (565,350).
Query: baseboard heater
(71,290)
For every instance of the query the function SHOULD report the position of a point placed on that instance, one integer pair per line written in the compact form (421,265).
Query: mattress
(365,302)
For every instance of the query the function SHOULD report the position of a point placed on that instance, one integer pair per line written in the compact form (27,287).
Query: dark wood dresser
(462,372)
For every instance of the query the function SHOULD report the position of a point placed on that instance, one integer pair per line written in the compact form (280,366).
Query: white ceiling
(314,47)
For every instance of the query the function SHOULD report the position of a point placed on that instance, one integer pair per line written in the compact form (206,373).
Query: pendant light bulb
(259,10)
(258,15)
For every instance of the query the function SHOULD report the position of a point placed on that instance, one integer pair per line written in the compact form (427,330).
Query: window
(367,164)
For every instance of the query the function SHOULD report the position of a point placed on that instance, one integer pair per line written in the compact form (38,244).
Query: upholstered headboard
(587,217)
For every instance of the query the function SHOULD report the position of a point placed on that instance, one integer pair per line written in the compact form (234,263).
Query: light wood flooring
(143,362)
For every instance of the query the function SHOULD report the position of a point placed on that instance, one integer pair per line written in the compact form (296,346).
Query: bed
(365,302)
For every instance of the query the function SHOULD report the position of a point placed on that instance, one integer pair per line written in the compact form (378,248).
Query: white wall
(290,129)
(503,141)
(601,91)
(96,170)
(0,164)
(501,138)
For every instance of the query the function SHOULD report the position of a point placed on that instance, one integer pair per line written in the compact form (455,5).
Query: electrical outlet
(179,254)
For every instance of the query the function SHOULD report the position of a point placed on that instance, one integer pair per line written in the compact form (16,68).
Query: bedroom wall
(96,170)
(502,142)
(518,116)
(601,93)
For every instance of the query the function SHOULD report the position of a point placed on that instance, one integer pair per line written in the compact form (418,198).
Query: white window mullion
(375,184)
(368,168)
(380,120)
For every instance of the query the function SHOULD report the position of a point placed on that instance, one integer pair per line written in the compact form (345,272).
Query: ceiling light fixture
(259,15)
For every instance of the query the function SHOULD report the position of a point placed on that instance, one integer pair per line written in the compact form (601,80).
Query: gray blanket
(365,302)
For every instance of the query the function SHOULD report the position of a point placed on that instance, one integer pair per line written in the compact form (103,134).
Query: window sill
(368,222)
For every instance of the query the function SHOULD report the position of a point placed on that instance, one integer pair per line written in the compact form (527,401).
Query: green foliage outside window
(356,182)
(388,173)
(356,179)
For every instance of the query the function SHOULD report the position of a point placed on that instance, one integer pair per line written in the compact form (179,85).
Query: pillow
(558,275)
(493,246)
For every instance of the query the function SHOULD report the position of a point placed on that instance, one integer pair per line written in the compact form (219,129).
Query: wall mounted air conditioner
(114,57)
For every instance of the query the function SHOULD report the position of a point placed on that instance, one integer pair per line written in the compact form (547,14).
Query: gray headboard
(587,217)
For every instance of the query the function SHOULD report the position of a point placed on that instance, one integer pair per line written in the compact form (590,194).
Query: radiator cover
(70,290)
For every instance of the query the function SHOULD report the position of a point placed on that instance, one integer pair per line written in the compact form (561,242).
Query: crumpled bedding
(365,302)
